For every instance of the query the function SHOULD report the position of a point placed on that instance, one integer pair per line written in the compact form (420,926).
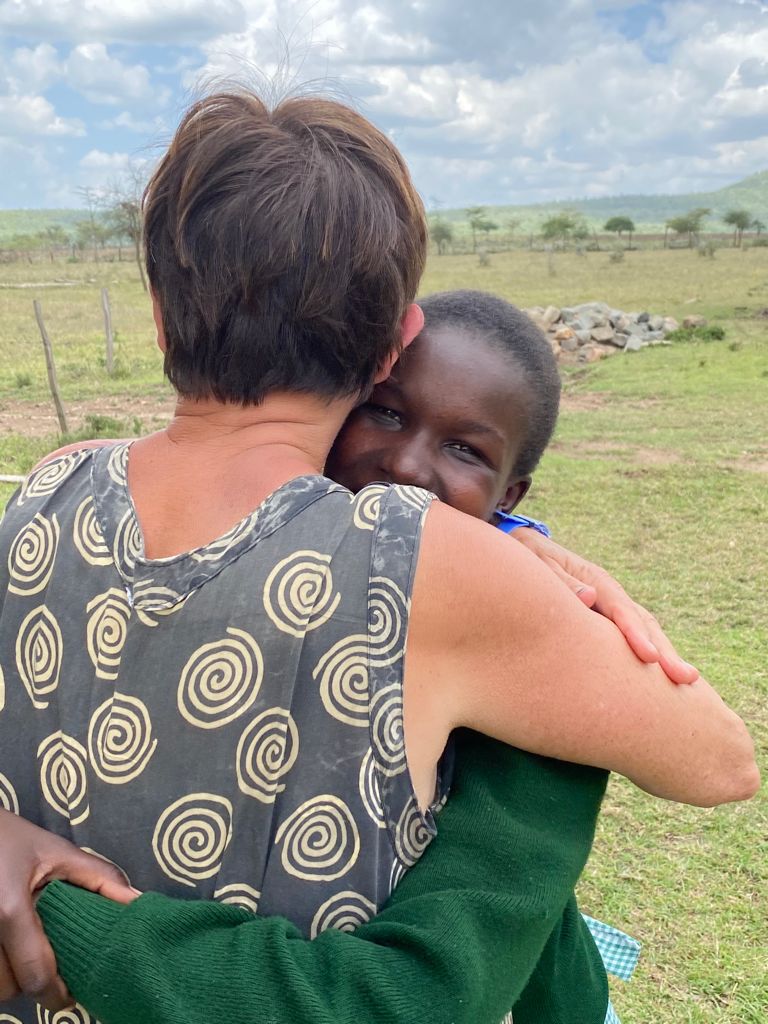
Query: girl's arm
(594,586)
(459,940)
(511,652)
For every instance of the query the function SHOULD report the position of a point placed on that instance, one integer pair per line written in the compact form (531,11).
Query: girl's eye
(467,451)
(381,412)
(464,449)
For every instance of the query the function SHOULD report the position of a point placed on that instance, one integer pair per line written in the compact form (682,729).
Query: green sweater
(485,922)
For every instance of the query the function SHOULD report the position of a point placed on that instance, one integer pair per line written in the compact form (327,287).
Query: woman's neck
(290,429)
(215,463)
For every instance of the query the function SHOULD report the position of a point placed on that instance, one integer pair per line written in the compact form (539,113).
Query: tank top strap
(397,513)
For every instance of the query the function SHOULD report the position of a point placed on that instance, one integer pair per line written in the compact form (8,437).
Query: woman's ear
(410,327)
(514,494)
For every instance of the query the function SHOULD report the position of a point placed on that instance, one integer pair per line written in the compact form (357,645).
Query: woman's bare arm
(499,644)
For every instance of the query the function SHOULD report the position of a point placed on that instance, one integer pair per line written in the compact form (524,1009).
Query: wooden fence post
(51,367)
(110,335)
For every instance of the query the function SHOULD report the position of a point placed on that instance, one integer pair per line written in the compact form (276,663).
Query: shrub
(714,332)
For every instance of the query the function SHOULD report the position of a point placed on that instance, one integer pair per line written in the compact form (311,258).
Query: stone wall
(593,330)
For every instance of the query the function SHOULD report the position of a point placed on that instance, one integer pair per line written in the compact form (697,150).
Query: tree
(739,220)
(441,234)
(512,224)
(619,225)
(122,202)
(476,217)
(689,224)
(563,226)
(24,245)
(696,218)
(54,237)
(758,225)
(88,229)
(487,226)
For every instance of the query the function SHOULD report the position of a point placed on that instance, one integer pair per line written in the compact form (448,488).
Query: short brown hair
(283,248)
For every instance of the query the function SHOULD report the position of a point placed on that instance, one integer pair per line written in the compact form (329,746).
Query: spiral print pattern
(117,464)
(387,732)
(387,614)
(320,840)
(151,602)
(8,799)
(239,895)
(30,560)
(7,1018)
(72,1015)
(413,496)
(368,506)
(221,680)
(343,675)
(216,549)
(191,836)
(106,631)
(63,776)
(370,790)
(298,593)
(120,742)
(39,650)
(87,535)
(412,835)
(50,476)
(345,912)
(396,876)
(127,545)
(267,750)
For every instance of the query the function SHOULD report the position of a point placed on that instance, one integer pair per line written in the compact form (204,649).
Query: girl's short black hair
(512,332)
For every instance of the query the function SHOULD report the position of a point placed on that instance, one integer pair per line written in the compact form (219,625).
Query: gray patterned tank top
(225,723)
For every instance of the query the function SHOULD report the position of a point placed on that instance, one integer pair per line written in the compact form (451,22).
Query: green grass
(659,471)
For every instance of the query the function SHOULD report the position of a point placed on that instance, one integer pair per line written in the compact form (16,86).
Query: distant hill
(32,222)
(648,212)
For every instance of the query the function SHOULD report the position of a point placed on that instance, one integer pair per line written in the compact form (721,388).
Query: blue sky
(491,101)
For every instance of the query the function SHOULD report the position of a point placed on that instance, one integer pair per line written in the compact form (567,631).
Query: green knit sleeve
(458,942)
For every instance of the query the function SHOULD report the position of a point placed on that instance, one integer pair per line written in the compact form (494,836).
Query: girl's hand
(29,858)
(601,592)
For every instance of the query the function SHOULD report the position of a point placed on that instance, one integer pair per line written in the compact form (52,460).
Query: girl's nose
(408,463)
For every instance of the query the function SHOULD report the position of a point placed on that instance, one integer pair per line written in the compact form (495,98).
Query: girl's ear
(514,494)
(410,326)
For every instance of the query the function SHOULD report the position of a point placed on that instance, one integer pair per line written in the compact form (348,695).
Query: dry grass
(658,471)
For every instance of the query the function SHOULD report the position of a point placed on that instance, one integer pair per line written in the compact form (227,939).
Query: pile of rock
(594,330)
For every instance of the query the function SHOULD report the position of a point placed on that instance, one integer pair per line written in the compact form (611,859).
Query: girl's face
(451,418)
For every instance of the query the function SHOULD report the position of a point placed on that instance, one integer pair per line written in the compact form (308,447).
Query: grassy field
(659,471)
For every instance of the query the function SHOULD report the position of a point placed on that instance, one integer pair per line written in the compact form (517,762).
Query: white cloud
(96,160)
(102,78)
(181,21)
(33,69)
(22,116)
(489,101)
(139,126)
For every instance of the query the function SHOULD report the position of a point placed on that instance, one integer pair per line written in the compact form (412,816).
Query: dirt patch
(584,401)
(751,465)
(638,455)
(589,401)
(43,284)
(38,419)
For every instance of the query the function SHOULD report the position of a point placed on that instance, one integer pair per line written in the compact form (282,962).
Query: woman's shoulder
(74,449)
